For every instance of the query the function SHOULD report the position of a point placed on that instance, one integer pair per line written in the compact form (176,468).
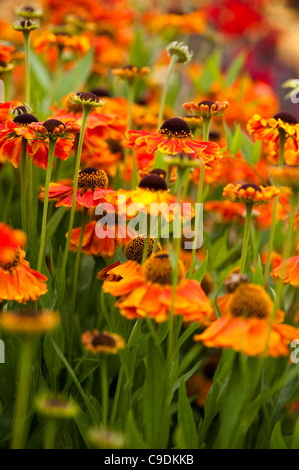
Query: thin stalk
(50,434)
(104,391)
(78,257)
(75,185)
(168,175)
(30,201)
(52,143)
(23,168)
(199,200)
(26,35)
(246,238)
(20,420)
(282,139)
(173,61)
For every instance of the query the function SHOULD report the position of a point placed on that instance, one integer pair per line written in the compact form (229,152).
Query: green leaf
(54,222)
(40,72)
(189,439)
(256,152)
(121,256)
(258,277)
(156,414)
(53,362)
(75,79)
(235,68)
(140,52)
(228,133)
(236,142)
(133,435)
(295,439)
(200,272)
(277,441)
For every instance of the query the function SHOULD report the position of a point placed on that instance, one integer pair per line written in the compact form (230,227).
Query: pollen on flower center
(250,301)
(92,178)
(153,182)
(134,248)
(52,124)
(286,117)
(11,263)
(25,119)
(175,127)
(158,269)
(102,339)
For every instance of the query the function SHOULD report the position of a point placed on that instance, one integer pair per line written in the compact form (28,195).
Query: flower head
(106,439)
(268,129)
(245,324)
(104,342)
(181,50)
(174,137)
(207,108)
(28,11)
(148,291)
(26,25)
(134,248)
(86,99)
(53,129)
(250,193)
(130,72)
(29,322)
(55,407)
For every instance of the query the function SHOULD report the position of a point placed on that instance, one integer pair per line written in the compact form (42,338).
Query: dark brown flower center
(158,172)
(3,64)
(92,178)
(251,185)
(286,117)
(25,119)
(175,127)
(52,124)
(102,339)
(158,269)
(153,182)
(215,136)
(134,248)
(55,403)
(208,103)
(26,23)
(87,96)
(20,110)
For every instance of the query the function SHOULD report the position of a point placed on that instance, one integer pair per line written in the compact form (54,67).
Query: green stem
(52,144)
(50,434)
(26,35)
(282,139)
(246,238)
(78,256)
(171,311)
(173,61)
(75,185)
(145,249)
(20,421)
(30,201)
(196,228)
(23,184)
(104,391)
(168,175)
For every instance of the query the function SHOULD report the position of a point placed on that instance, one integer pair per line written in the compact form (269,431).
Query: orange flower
(250,193)
(174,137)
(29,322)
(207,108)
(17,280)
(92,190)
(188,23)
(130,72)
(26,125)
(245,325)
(288,271)
(149,292)
(75,44)
(268,128)
(10,241)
